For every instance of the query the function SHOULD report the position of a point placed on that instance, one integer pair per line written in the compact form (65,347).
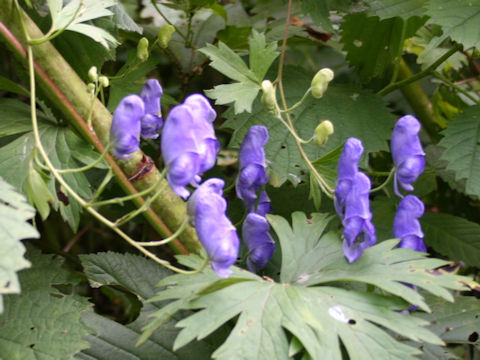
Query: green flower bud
(320,82)
(93,74)
(322,131)
(268,98)
(142,49)
(165,35)
(104,81)
(91,88)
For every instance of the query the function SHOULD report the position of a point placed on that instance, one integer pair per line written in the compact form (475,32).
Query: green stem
(385,183)
(456,87)
(167,240)
(299,103)
(89,166)
(63,87)
(397,85)
(121,200)
(104,183)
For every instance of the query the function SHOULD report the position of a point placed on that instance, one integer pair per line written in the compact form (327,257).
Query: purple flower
(406,225)
(263,206)
(358,232)
(347,169)
(407,152)
(216,233)
(188,143)
(260,244)
(126,124)
(152,120)
(252,164)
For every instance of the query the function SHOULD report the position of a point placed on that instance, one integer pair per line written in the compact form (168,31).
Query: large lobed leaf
(319,317)
(114,341)
(42,323)
(14,213)
(461,142)
(352,110)
(459,19)
(405,9)
(248,80)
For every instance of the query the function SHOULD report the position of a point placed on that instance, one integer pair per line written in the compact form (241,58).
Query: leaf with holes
(243,92)
(462,148)
(114,341)
(42,322)
(352,110)
(319,317)
(14,213)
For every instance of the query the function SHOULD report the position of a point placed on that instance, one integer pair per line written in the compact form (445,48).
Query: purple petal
(407,151)
(152,122)
(264,206)
(406,225)
(126,125)
(259,242)
(214,229)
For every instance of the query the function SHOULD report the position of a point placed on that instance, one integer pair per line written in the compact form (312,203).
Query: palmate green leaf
(381,265)
(373,44)
(460,20)
(462,148)
(58,141)
(76,12)
(405,9)
(15,117)
(42,323)
(352,110)
(225,60)
(114,341)
(452,236)
(14,213)
(455,323)
(318,316)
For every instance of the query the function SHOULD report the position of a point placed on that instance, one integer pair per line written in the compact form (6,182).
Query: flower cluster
(219,237)
(409,160)
(136,116)
(352,202)
(255,230)
(189,146)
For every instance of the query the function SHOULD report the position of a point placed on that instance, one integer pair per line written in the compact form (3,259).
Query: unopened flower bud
(323,130)
(142,49)
(165,35)
(91,88)
(93,74)
(268,98)
(104,81)
(320,82)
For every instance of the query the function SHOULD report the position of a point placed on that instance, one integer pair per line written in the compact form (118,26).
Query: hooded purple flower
(152,120)
(252,164)
(260,244)
(347,169)
(188,143)
(407,152)
(216,233)
(406,225)
(263,206)
(126,124)
(358,232)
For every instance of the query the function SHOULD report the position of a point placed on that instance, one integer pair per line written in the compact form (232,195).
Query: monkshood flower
(406,225)
(216,233)
(347,169)
(259,242)
(188,143)
(152,120)
(126,125)
(407,152)
(252,164)
(359,232)
(263,206)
